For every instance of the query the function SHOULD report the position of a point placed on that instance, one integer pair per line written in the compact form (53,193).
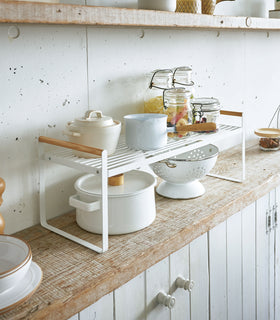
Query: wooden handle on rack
(71,145)
(207,126)
(2,189)
(231,113)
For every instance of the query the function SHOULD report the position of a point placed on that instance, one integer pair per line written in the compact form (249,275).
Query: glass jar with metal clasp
(177,106)
(158,81)
(182,77)
(206,110)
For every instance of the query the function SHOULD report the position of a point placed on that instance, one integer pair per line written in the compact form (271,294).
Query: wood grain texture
(50,13)
(75,277)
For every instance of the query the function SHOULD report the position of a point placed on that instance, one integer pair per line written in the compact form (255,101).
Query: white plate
(11,298)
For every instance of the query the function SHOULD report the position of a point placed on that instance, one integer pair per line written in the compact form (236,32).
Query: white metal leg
(104,207)
(243,152)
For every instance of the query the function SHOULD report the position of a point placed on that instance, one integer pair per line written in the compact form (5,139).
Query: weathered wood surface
(53,13)
(75,277)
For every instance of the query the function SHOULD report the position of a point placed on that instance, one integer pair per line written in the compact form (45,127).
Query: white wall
(52,74)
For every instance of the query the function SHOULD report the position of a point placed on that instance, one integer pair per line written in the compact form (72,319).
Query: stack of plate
(19,275)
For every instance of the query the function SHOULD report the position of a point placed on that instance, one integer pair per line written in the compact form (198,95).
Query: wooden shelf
(49,13)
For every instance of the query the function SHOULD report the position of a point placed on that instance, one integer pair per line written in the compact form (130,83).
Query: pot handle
(169,164)
(75,202)
(71,133)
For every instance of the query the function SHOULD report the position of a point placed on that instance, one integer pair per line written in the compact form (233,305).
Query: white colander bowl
(181,174)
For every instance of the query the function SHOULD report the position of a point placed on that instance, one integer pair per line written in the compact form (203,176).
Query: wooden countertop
(75,277)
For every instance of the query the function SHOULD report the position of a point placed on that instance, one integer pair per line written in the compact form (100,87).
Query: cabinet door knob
(185,284)
(166,300)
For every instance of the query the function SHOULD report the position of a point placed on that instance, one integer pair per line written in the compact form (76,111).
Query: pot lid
(135,181)
(94,118)
(206,104)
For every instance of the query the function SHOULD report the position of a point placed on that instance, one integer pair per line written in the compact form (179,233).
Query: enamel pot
(131,206)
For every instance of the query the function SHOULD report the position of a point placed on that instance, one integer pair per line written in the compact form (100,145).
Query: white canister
(131,206)
(146,131)
(94,130)
(162,5)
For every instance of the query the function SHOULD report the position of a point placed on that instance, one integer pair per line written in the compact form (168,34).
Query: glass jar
(269,144)
(206,110)
(182,77)
(158,81)
(177,107)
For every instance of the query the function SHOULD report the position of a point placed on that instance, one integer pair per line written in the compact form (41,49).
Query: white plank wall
(235,268)
(218,272)
(249,262)
(199,273)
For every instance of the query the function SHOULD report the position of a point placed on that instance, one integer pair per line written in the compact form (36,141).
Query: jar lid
(268,132)
(206,104)
(183,76)
(135,181)
(94,118)
(161,79)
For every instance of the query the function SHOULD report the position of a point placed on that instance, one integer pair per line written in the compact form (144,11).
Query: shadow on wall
(20,170)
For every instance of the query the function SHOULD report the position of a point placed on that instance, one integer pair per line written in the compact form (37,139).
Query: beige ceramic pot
(94,130)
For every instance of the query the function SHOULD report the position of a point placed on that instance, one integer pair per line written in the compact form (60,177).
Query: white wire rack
(124,160)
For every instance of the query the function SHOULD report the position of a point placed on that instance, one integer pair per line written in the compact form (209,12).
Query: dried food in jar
(269,143)
(154,105)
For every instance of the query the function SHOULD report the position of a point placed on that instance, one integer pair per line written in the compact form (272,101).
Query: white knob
(185,284)
(166,300)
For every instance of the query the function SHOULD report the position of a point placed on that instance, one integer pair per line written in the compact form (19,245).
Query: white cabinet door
(234,267)
(130,299)
(217,270)
(199,273)
(277,259)
(262,260)
(249,261)
(179,266)
(103,309)
(271,253)
(157,279)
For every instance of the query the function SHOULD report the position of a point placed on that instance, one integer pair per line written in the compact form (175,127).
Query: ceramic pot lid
(94,118)
(135,181)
